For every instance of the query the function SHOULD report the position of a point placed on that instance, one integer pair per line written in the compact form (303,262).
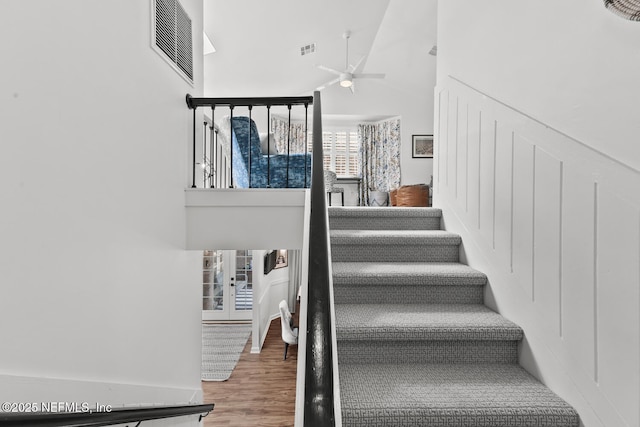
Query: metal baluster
(193,185)
(204,155)
(249,145)
(218,174)
(268,146)
(212,169)
(306,147)
(212,155)
(288,142)
(231,148)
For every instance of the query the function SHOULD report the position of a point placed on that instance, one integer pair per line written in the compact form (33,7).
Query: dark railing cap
(246,102)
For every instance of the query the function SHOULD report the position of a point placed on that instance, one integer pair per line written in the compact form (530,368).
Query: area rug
(221,349)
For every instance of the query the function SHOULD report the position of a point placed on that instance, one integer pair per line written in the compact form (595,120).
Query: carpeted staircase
(416,345)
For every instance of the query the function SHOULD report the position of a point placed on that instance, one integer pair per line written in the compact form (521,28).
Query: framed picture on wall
(422,146)
(276,258)
(281,258)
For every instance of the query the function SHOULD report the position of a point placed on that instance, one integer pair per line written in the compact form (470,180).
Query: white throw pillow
(268,147)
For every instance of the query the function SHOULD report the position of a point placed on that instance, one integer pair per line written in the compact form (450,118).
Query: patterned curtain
(280,129)
(379,157)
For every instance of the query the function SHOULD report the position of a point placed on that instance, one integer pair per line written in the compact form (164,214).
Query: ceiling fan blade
(353,68)
(369,76)
(329,83)
(352,88)
(330,70)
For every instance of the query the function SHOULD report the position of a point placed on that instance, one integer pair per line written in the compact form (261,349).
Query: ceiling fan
(346,77)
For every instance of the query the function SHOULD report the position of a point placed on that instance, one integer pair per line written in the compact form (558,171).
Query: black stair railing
(231,104)
(319,408)
(102,418)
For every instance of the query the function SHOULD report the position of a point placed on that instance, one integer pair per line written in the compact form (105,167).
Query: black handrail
(104,418)
(319,409)
(245,102)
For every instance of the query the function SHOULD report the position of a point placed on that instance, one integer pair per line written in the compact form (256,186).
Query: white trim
(334,341)
(263,337)
(302,316)
(272,317)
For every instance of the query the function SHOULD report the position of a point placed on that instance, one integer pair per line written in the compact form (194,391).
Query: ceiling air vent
(307,49)
(172,35)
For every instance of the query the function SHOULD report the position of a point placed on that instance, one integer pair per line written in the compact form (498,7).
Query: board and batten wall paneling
(555,225)
(523,209)
(616,295)
(503,217)
(547,239)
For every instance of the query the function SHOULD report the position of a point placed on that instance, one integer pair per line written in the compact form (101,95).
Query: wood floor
(261,390)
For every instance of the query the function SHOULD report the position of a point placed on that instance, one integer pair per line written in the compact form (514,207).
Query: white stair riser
(384,223)
(398,294)
(427,351)
(400,253)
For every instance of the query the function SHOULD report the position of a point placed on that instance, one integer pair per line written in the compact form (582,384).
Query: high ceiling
(258,47)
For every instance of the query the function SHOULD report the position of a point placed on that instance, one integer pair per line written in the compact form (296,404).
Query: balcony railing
(240,149)
(317,393)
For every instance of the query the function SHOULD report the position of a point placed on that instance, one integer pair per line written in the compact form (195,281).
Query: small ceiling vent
(307,49)
(173,35)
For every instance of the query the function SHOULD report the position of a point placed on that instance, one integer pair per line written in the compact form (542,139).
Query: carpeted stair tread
(406,273)
(388,212)
(394,237)
(479,395)
(370,218)
(416,344)
(401,322)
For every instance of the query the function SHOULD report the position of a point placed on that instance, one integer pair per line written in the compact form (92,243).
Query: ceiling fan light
(346,80)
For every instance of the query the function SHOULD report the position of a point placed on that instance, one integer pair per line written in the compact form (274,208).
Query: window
(340,149)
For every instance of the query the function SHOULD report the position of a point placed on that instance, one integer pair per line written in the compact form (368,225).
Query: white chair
(330,180)
(289,333)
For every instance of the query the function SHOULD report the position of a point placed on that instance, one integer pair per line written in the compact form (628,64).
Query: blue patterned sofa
(298,163)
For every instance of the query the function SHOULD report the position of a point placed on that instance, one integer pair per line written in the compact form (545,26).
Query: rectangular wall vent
(307,49)
(173,34)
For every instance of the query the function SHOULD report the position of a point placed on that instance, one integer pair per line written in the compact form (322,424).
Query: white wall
(243,218)
(269,290)
(97,287)
(542,182)
(576,72)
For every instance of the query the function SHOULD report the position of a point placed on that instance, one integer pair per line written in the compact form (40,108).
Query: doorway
(227,285)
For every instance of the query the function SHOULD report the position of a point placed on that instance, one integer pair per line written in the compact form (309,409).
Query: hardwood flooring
(261,390)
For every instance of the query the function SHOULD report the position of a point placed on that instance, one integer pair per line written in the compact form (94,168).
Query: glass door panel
(227,285)
(243,294)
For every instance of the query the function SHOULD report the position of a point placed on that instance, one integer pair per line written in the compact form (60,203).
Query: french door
(227,285)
